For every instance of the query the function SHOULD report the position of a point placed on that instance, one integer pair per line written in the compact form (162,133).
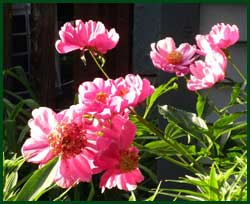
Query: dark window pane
(64,12)
(20,61)
(18,25)
(66,62)
(19,44)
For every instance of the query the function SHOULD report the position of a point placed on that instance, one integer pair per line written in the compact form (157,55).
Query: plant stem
(92,192)
(99,66)
(159,133)
(237,69)
(168,158)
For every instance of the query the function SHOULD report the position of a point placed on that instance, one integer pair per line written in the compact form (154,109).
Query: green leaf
(141,129)
(198,182)
(160,147)
(91,192)
(238,137)
(173,131)
(10,134)
(182,197)
(12,164)
(30,103)
(200,104)
(13,94)
(44,191)
(8,107)
(61,196)
(10,176)
(160,90)
(18,73)
(241,127)
(229,172)
(188,121)
(150,173)
(213,185)
(10,183)
(152,198)
(25,130)
(188,193)
(235,94)
(132,197)
(227,119)
(38,182)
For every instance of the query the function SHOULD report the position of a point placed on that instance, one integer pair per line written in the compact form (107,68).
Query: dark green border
(126,1)
(1,94)
(120,1)
(248,97)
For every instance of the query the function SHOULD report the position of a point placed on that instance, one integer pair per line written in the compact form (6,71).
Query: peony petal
(72,170)
(165,46)
(109,155)
(81,32)
(108,179)
(36,151)
(62,47)
(44,120)
(223,36)
(127,135)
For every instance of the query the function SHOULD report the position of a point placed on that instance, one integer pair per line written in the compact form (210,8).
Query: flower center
(128,161)
(122,92)
(101,97)
(67,139)
(174,57)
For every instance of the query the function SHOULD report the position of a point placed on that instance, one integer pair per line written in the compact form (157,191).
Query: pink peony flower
(66,135)
(204,44)
(109,97)
(99,98)
(168,58)
(223,35)
(204,74)
(117,157)
(133,89)
(89,35)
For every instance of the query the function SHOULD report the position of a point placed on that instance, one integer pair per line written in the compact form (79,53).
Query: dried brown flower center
(128,161)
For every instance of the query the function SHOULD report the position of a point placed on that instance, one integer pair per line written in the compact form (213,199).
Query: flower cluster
(92,136)
(96,134)
(114,96)
(182,60)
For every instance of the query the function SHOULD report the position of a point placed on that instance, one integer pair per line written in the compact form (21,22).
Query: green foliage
(10,176)
(17,110)
(153,197)
(18,73)
(200,104)
(218,185)
(160,90)
(38,183)
(186,122)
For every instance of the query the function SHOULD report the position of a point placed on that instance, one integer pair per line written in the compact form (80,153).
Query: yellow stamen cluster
(67,139)
(174,58)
